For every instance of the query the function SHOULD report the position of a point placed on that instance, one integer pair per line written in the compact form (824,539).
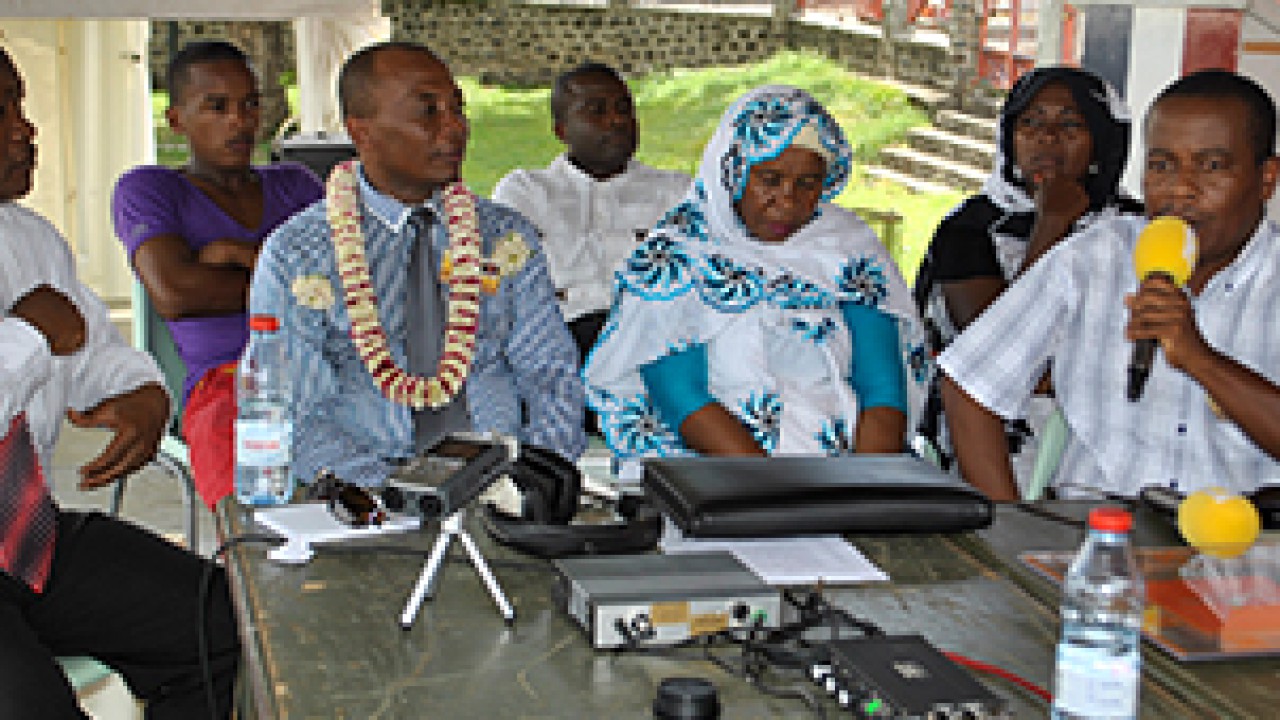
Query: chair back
(151,334)
(1053,441)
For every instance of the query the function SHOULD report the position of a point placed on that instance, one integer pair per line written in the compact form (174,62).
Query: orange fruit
(1218,523)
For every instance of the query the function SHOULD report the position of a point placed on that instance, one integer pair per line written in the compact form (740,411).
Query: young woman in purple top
(193,235)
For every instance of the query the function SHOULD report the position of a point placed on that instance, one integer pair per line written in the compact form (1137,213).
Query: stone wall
(511,42)
(167,37)
(529,43)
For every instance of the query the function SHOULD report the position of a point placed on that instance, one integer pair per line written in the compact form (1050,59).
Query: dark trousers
(586,330)
(129,598)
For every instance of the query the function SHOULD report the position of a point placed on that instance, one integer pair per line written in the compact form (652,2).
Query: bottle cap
(1110,519)
(263,323)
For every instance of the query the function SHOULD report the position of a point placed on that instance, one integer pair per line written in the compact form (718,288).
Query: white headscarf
(700,271)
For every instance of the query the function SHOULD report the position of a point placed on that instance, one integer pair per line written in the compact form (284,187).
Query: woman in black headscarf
(1063,141)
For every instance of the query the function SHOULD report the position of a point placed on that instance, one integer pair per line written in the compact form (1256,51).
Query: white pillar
(1049,32)
(1260,57)
(1152,66)
(114,132)
(88,96)
(323,43)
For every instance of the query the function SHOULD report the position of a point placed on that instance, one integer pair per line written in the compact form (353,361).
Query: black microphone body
(1144,354)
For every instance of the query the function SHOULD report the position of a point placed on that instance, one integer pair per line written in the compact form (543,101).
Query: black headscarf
(1105,114)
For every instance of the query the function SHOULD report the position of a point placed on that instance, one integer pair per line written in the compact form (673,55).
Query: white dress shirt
(1068,311)
(589,226)
(32,379)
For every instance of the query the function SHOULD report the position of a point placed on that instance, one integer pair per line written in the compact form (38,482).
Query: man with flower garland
(410,307)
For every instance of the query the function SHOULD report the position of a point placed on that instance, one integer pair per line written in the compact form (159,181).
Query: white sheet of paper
(787,561)
(303,524)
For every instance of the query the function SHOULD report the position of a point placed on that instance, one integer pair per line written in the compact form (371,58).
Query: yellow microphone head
(1166,245)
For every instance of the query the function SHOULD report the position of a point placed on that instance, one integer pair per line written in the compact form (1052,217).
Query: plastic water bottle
(1098,663)
(264,431)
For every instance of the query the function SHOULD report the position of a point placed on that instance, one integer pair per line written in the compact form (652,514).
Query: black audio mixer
(900,677)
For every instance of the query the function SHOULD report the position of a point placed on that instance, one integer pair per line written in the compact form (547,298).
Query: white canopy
(183,9)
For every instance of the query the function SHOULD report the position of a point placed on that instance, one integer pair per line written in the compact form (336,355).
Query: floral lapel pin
(313,291)
(509,256)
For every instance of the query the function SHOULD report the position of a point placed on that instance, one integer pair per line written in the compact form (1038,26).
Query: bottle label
(1094,682)
(263,443)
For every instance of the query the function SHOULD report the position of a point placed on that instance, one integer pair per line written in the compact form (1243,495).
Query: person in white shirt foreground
(593,203)
(1210,413)
(112,590)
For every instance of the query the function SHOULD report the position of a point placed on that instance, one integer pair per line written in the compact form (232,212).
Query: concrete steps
(956,153)
(957,148)
(914,184)
(933,168)
(978,128)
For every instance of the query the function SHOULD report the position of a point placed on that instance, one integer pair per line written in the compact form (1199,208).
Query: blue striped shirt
(342,422)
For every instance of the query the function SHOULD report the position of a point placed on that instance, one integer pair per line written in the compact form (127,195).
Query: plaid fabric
(1068,311)
(27,518)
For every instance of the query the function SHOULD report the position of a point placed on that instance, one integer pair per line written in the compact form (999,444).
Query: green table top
(323,639)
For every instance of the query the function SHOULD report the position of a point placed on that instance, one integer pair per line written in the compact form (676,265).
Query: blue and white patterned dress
(778,351)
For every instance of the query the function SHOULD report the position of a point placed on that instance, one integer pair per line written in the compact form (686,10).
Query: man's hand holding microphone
(1160,312)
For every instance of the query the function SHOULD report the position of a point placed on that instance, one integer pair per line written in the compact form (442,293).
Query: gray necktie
(425,318)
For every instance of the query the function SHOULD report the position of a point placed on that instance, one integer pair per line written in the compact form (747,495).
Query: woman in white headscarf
(757,317)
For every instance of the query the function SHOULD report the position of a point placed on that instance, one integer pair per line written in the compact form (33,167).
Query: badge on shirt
(313,291)
(508,258)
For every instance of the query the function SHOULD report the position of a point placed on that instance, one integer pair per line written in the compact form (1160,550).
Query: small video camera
(449,475)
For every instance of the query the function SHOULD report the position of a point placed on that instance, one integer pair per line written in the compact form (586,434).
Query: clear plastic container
(1098,669)
(264,431)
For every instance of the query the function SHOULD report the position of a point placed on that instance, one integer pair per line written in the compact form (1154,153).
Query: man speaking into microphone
(1206,411)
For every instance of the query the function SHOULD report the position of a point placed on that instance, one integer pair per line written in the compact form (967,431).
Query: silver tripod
(450,528)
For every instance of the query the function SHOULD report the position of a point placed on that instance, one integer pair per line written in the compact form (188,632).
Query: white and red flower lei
(464,276)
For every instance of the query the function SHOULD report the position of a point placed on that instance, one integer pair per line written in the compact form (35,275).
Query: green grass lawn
(678,111)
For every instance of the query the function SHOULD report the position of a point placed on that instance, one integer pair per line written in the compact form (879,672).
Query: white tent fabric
(322,44)
(180,9)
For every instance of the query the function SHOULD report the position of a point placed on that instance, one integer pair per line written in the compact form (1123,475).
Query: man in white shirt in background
(593,202)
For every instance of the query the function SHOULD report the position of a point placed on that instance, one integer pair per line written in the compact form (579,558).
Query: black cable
(203,598)
(815,608)
(721,663)
(795,692)
(1050,515)
(760,648)
(1047,514)
(755,662)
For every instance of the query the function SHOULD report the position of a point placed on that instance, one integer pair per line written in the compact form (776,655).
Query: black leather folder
(780,496)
